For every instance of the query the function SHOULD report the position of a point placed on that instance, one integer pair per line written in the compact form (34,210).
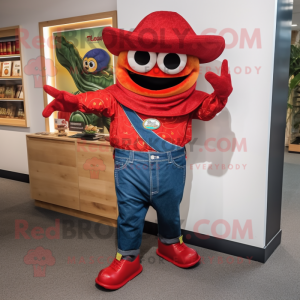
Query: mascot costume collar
(176,105)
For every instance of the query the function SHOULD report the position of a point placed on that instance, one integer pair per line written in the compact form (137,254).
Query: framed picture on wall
(75,59)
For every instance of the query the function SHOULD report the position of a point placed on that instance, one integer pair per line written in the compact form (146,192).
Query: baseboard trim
(14,176)
(224,246)
(272,245)
(294,152)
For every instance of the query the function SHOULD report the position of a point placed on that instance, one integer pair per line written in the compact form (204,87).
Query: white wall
(210,194)
(28,14)
(214,194)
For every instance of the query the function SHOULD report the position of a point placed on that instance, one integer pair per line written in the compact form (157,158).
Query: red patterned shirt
(177,130)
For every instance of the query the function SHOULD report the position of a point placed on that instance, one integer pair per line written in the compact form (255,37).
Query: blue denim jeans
(143,179)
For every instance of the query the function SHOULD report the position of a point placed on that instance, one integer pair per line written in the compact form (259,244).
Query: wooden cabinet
(95,167)
(73,176)
(53,172)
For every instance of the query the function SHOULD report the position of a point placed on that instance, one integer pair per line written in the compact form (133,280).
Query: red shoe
(179,254)
(119,273)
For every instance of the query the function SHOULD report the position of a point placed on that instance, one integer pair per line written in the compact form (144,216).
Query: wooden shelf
(8,33)
(10,56)
(10,78)
(13,122)
(11,99)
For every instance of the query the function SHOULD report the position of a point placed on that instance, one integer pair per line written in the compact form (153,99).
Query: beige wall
(294,36)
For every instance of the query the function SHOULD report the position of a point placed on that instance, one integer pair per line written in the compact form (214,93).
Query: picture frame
(51,31)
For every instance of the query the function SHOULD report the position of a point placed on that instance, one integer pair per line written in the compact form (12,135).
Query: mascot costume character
(151,107)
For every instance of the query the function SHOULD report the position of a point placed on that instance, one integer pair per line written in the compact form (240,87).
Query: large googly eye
(91,64)
(171,63)
(141,61)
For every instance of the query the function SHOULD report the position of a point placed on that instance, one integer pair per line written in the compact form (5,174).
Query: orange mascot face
(157,74)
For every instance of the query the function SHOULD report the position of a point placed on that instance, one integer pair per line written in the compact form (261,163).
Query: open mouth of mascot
(157,74)
(155,83)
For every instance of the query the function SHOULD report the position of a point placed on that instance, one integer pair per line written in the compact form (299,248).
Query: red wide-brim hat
(164,32)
